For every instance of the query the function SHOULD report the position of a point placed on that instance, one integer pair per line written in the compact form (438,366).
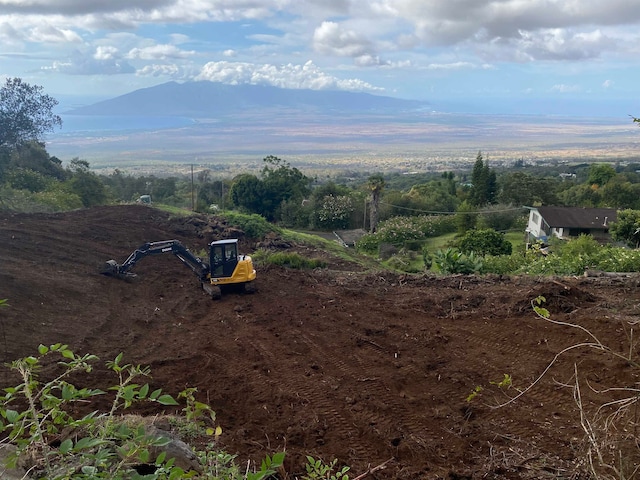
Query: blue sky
(525,56)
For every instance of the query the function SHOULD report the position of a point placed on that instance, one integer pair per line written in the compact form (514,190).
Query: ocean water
(106,123)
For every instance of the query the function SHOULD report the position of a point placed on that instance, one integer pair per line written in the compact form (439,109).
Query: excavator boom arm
(196,265)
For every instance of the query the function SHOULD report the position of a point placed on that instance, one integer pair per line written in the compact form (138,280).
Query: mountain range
(207,99)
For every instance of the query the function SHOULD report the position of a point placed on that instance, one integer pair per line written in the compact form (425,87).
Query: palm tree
(375,185)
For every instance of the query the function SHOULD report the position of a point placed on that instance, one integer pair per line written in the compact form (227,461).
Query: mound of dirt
(334,363)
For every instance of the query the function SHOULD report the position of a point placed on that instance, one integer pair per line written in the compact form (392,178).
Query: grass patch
(516,238)
(441,242)
(333,247)
(175,211)
(288,260)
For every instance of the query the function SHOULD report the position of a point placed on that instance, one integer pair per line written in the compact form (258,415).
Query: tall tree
(26,113)
(520,188)
(484,183)
(282,183)
(627,227)
(86,184)
(247,192)
(375,185)
(600,174)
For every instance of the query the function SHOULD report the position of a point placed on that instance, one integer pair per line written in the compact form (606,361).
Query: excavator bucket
(112,269)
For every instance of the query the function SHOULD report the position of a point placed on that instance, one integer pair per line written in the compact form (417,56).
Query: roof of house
(577,217)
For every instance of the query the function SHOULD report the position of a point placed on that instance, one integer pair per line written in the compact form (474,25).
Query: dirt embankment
(332,363)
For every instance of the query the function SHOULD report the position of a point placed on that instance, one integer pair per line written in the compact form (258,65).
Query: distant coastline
(72,124)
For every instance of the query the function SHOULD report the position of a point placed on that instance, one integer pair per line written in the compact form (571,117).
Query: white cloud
(562,88)
(331,39)
(607,84)
(307,76)
(155,70)
(87,65)
(158,52)
(10,35)
(105,53)
(398,40)
(452,66)
(179,38)
(49,34)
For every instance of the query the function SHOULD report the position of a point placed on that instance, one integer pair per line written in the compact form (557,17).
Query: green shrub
(452,261)
(368,243)
(427,259)
(485,242)
(288,260)
(406,232)
(102,445)
(503,264)
(574,256)
(582,245)
(253,225)
(405,261)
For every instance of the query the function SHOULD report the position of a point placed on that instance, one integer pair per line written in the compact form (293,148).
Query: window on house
(535,217)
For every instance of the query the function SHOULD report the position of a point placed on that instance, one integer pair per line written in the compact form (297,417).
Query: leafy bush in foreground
(36,417)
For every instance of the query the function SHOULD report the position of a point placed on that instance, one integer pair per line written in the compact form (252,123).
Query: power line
(434,212)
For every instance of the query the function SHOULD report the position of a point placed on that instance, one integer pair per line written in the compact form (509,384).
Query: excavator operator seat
(223,257)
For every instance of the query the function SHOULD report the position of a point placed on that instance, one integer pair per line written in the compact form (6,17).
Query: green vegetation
(318,470)
(484,242)
(26,113)
(451,261)
(51,440)
(104,445)
(253,225)
(288,260)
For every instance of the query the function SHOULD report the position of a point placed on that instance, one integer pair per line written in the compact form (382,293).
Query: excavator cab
(223,258)
(227,267)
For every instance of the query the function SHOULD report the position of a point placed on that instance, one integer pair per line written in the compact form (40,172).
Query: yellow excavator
(226,267)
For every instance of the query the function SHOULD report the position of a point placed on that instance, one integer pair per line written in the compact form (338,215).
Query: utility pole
(192,199)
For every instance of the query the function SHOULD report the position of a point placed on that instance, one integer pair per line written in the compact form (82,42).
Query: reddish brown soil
(334,363)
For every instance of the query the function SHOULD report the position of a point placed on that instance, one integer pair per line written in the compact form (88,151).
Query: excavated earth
(337,363)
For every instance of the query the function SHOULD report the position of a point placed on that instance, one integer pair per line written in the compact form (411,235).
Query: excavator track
(212,290)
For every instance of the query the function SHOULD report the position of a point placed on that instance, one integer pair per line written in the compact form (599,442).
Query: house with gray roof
(569,222)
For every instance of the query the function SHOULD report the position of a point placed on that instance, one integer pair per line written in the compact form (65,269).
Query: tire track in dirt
(312,396)
(428,402)
(383,410)
(529,360)
(319,397)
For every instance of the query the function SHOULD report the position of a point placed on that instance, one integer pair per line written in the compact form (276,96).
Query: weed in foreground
(36,418)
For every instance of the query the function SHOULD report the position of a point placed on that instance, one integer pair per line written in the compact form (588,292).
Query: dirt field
(334,363)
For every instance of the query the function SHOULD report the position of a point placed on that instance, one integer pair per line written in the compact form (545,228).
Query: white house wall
(534,226)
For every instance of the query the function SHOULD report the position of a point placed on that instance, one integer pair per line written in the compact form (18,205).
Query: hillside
(211,99)
(335,363)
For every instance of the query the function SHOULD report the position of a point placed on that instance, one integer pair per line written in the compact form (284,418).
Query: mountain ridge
(205,99)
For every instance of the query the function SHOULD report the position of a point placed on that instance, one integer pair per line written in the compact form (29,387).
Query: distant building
(569,222)
(568,176)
